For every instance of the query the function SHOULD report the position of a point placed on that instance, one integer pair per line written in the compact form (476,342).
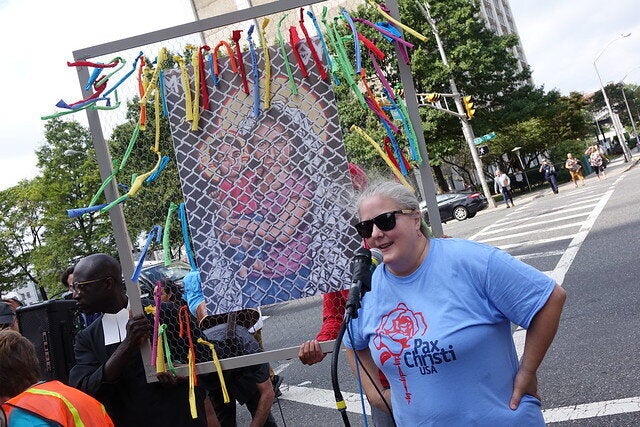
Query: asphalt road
(587,239)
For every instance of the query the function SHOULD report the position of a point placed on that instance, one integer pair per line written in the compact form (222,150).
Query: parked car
(461,205)
(154,271)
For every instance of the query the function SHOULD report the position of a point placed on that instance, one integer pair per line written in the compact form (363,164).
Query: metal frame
(121,235)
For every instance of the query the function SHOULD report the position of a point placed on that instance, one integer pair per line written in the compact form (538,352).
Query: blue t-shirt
(21,418)
(442,335)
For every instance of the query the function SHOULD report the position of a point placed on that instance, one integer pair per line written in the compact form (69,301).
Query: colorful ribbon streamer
(255,72)
(312,49)
(240,60)
(154,233)
(182,213)
(325,49)
(216,362)
(157,296)
(384,156)
(283,50)
(185,329)
(166,243)
(267,64)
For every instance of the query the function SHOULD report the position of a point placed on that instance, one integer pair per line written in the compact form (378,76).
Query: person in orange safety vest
(27,402)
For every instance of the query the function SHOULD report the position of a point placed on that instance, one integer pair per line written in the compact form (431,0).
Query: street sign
(484,138)
(483,149)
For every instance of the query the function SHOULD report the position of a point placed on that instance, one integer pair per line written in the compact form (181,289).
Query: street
(586,238)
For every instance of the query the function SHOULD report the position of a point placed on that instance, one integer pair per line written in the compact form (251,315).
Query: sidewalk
(615,167)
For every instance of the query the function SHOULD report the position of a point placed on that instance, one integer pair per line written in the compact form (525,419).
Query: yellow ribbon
(186,86)
(160,365)
(216,362)
(192,384)
(267,64)
(386,158)
(195,117)
(395,21)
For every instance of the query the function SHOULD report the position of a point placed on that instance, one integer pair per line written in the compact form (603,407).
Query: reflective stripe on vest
(74,412)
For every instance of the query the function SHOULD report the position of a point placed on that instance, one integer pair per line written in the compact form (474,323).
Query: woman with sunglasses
(437,322)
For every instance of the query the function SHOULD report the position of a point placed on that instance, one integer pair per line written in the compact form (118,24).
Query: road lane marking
(325,398)
(533,224)
(554,212)
(538,231)
(570,253)
(592,410)
(535,242)
(539,255)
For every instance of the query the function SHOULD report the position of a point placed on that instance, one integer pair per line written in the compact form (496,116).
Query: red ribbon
(240,61)
(372,47)
(93,64)
(389,150)
(184,320)
(294,40)
(314,54)
(204,94)
(143,108)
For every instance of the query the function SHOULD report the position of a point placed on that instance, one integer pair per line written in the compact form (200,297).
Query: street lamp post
(524,171)
(626,103)
(625,149)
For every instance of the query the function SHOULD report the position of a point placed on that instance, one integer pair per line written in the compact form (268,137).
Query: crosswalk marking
(536,231)
(533,224)
(591,410)
(325,398)
(535,242)
(535,255)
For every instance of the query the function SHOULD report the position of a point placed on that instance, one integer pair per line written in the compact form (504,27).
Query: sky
(561,39)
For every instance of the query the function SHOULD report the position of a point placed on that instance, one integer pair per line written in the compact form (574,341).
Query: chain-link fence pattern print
(268,193)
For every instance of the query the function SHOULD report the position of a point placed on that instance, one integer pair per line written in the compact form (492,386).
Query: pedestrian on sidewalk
(519,176)
(503,183)
(596,160)
(575,169)
(550,174)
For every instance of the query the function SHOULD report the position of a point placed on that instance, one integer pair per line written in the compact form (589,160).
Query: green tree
(480,62)
(66,182)
(20,235)
(150,205)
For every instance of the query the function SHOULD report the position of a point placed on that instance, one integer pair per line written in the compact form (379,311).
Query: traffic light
(432,98)
(468,106)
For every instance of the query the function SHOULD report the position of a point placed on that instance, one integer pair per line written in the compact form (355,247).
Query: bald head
(99,264)
(98,284)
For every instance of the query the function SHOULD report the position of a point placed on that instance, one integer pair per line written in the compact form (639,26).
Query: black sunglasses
(81,286)
(385,222)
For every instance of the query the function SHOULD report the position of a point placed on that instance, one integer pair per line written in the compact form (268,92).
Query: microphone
(365,261)
(376,258)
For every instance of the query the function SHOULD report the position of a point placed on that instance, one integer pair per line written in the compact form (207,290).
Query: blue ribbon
(154,233)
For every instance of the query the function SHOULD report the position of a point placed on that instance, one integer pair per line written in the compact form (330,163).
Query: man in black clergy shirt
(109,365)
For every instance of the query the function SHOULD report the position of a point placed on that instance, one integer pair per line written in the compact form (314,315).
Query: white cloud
(38,39)
(562,38)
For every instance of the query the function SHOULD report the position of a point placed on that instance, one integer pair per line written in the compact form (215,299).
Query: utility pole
(467,130)
(620,134)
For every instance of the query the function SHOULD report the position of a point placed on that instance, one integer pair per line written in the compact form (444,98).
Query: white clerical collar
(114,326)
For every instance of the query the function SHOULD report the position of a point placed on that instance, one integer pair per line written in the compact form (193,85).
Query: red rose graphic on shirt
(394,335)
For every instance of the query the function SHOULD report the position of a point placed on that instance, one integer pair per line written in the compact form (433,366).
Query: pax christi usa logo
(395,338)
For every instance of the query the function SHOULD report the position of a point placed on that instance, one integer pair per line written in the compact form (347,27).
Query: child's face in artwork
(229,159)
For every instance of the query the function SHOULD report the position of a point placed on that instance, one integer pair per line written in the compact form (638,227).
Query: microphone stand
(361,283)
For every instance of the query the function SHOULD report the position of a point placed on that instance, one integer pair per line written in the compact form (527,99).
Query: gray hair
(398,193)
